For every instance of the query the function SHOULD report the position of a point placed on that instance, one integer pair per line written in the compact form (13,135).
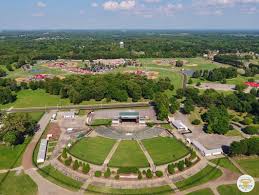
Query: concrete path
(108,158)
(150,160)
(14,169)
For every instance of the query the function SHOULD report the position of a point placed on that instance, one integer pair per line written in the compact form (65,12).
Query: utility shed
(206,152)
(42,151)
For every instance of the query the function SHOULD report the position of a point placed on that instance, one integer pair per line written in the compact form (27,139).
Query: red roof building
(252,84)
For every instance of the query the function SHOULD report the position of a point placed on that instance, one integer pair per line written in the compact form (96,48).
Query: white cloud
(152,1)
(170,8)
(41,4)
(94,4)
(122,5)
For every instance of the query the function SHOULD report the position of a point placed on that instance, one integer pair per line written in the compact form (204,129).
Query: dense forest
(25,47)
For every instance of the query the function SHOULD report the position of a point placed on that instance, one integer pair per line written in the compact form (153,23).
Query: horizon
(130,14)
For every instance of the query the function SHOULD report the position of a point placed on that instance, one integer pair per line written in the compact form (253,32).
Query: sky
(129,14)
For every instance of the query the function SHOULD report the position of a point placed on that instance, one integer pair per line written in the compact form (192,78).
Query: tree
(86,168)
(10,138)
(6,95)
(174,105)
(218,120)
(75,165)
(188,106)
(179,63)
(2,73)
(64,153)
(161,106)
(240,87)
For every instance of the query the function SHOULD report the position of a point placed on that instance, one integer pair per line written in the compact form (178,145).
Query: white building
(121,44)
(179,125)
(69,115)
(42,151)
(206,152)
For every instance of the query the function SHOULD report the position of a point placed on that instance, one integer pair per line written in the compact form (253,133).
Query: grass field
(92,149)
(164,149)
(11,156)
(128,154)
(53,175)
(207,174)
(99,122)
(233,190)
(12,184)
(107,190)
(206,191)
(233,132)
(226,163)
(250,165)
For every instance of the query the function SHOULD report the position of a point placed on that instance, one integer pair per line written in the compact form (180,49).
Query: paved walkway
(150,160)
(108,158)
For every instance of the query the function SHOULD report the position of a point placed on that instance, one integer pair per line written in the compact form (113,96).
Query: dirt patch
(55,130)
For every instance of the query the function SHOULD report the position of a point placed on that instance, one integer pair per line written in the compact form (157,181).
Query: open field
(226,163)
(11,156)
(128,154)
(232,189)
(206,191)
(107,190)
(165,150)
(53,175)
(249,164)
(207,174)
(92,149)
(12,184)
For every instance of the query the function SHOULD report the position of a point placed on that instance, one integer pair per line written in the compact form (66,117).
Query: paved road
(86,107)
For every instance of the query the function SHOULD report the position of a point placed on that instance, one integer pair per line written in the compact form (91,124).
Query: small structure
(252,84)
(129,116)
(142,121)
(69,130)
(121,44)
(206,152)
(179,125)
(42,151)
(69,115)
(115,121)
(53,117)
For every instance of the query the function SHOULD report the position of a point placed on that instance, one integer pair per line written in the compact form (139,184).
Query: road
(85,107)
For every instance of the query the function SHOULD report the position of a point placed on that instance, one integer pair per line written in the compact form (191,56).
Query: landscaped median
(207,174)
(55,176)
(107,190)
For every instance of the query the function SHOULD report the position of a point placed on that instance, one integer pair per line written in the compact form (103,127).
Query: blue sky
(129,14)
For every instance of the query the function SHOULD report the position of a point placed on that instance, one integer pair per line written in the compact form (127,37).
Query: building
(121,44)
(42,151)
(69,115)
(129,116)
(204,151)
(179,125)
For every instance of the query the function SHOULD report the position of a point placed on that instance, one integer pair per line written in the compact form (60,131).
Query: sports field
(128,154)
(165,149)
(12,184)
(207,174)
(92,149)
(249,164)
(233,190)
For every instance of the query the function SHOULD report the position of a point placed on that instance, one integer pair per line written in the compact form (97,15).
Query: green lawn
(107,190)
(226,163)
(250,164)
(233,190)
(36,115)
(99,122)
(12,184)
(92,149)
(207,174)
(233,132)
(206,191)
(128,154)
(11,156)
(53,175)
(165,149)
(167,126)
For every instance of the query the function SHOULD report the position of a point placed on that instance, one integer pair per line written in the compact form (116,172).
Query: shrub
(247,121)
(159,173)
(75,165)
(149,174)
(236,119)
(144,172)
(139,175)
(64,153)
(117,176)
(190,81)
(107,173)
(180,165)
(196,122)
(188,163)
(150,124)
(193,155)
(170,168)
(86,168)
(251,130)
(68,161)
(198,84)
(127,170)
(98,174)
